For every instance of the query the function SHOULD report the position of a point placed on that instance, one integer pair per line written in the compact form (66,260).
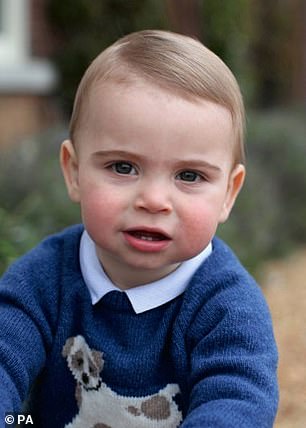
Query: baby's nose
(154,198)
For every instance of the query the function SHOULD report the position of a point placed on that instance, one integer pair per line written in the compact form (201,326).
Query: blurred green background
(263,42)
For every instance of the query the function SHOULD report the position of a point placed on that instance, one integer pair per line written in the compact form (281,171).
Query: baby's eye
(189,176)
(123,168)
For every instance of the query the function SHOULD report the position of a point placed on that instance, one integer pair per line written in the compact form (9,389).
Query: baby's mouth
(148,235)
(145,235)
(147,239)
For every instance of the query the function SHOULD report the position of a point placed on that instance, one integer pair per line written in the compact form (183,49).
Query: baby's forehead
(137,111)
(136,83)
(113,99)
(104,93)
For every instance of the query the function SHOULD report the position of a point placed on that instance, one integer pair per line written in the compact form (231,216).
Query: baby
(141,316)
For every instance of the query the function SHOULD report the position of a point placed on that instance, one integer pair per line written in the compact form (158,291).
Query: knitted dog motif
(101,407)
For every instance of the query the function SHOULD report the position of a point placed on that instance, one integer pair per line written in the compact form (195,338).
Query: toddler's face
(154,176)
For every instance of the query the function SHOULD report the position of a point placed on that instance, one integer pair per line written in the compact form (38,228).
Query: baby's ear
(235,183)
(70,169)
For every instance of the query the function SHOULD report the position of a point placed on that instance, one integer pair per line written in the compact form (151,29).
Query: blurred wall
(27,76)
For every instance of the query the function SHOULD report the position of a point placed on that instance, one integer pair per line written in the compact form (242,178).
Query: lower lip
(146,246)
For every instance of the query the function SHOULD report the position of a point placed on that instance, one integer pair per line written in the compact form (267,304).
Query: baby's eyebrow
(198,163)
(114,153)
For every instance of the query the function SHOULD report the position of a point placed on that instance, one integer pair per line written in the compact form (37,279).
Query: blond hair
(172,61)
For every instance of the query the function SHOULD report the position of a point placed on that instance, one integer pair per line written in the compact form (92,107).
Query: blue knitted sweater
(205,359)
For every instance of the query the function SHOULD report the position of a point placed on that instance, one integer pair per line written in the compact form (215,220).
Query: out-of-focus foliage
(230,33)
(269,217)
(34,202)
(268,220)
(256,39)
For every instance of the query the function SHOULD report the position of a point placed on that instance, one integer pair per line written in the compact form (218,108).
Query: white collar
(142,297)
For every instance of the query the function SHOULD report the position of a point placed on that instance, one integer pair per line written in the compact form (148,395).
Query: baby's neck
(125,278)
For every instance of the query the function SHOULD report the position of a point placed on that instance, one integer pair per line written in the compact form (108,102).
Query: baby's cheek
(199,228)
(97,210)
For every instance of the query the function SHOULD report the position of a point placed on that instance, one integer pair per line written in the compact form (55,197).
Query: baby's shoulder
(222,284)
(47,260)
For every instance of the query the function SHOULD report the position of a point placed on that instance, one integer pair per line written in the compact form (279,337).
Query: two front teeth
(148,236)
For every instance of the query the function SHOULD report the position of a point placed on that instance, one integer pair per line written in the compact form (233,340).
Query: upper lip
(148,230)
